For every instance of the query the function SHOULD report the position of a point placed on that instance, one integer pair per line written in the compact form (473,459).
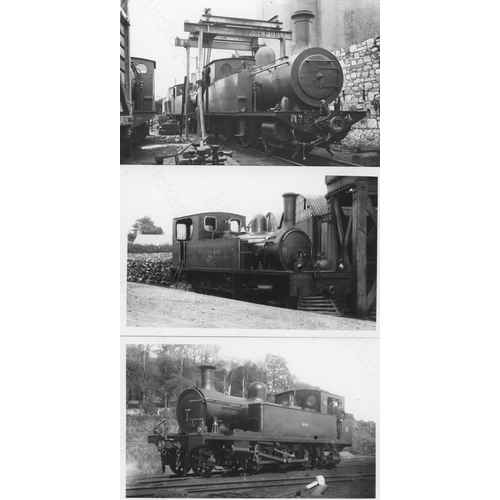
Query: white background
(438,227)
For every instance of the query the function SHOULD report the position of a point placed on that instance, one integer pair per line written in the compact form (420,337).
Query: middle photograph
(240,248)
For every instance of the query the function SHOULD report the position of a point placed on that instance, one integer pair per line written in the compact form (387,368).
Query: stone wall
(361,91)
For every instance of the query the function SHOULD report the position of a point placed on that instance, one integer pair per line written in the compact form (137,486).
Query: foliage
(131,248)
(146,225)
(156,376)
(142,457)
(278,376)
(363,438)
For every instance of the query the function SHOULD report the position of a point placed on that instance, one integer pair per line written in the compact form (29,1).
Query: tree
(278,376)
(146,225)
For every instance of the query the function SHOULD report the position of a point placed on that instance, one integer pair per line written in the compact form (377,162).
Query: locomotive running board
(323,305)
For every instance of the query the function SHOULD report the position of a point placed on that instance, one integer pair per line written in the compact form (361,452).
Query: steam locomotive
(284,102)
(216,252)
(305,428)
(137,104)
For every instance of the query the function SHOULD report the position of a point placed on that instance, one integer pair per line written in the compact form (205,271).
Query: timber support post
(353,206)
(359,258)
(186,93)
(201,114)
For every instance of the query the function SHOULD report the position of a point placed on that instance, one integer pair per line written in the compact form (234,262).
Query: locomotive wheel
(179,470)
(307,456)
(226,131)
(249,138)
(231,468)
(268,147)
(202,462)
(254,466)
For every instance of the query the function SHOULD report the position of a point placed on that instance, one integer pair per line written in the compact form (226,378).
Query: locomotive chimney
(289,210)
(302,31)
(207,377)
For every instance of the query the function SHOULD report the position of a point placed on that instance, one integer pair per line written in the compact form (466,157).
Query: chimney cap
(305,14)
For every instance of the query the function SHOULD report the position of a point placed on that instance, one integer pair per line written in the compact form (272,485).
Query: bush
(132,248)
(363,438)
(142,457)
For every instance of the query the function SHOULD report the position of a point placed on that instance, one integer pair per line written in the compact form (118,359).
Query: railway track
(243,484)
(310,160)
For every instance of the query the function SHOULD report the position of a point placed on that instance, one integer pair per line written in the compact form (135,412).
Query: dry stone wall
(149,268)
(361,91)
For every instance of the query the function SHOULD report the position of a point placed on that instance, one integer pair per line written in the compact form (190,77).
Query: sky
(165,192)
(347,366)
(156,23)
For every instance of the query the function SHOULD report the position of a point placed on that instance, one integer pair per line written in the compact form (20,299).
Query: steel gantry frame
(224,33)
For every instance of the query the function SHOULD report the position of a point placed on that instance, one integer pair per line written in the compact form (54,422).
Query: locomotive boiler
(305,428)
(284,102)
(218,253)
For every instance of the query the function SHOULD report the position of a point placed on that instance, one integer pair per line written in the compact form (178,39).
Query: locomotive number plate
(304,424)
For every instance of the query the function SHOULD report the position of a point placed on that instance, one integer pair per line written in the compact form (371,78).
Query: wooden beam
(236,21)
(340,183)
(215,44)
(335,244)
(371,295)
(186,94)
(201,116)
(238,31)
(359,258)
(345,254)
(372,212)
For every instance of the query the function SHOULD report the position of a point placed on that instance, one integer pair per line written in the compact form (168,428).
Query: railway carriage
(137,93)
(300,428)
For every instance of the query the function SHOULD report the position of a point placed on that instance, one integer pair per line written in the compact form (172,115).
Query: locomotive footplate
(316,291)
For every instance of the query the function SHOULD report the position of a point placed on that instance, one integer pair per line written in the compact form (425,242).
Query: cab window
(184,229)
(234,225)
(210,224)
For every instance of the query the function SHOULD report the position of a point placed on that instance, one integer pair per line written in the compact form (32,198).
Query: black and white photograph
(251,418)
(234,296)
(237,248)
(261,82)
(249,248)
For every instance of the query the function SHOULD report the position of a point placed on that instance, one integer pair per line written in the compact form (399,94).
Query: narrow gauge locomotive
(284,102)
(213,253)
(137,104)
(301,428)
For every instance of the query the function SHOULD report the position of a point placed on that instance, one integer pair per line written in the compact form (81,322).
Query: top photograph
(260,83)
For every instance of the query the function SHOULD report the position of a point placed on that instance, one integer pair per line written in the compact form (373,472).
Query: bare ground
(150,306)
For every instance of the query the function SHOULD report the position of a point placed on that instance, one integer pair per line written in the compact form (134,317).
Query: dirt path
(150,306)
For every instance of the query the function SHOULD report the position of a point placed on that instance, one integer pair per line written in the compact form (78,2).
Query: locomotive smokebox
(289,210)
(302,31)
(307,77)
(207,377)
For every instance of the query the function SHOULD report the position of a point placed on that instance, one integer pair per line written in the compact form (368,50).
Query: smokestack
(302,30)
(289,210)
(207,377)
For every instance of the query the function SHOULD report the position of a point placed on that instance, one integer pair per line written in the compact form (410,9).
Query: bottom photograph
(251,417)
